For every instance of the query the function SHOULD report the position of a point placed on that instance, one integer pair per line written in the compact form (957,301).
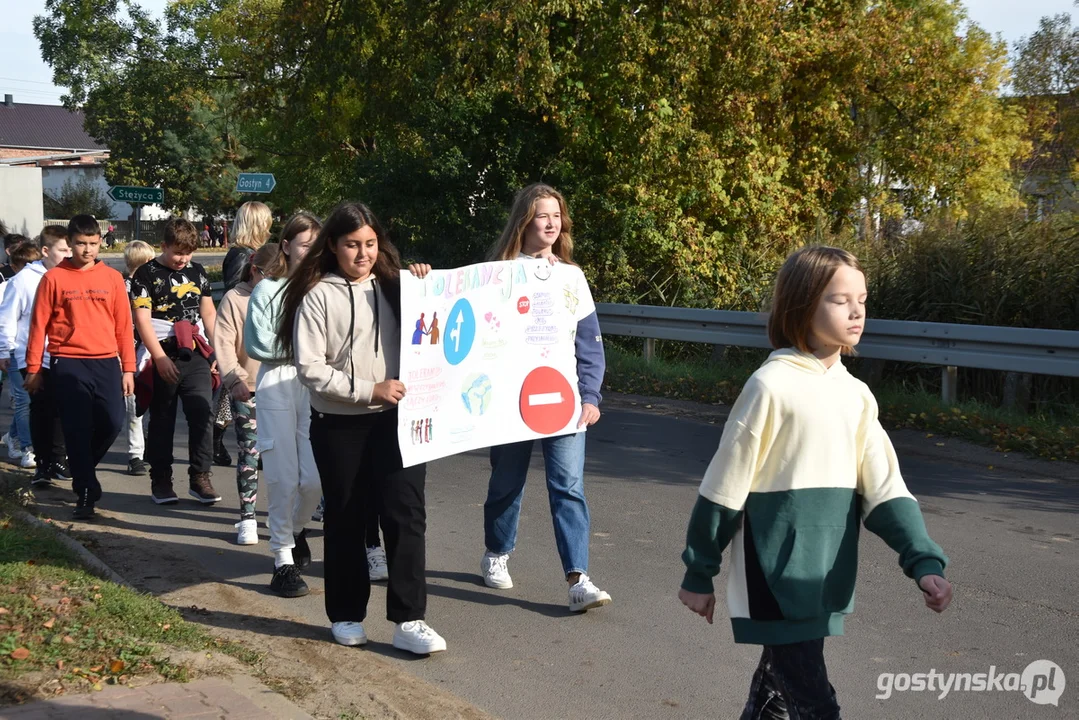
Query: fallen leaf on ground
(49,623)
(20,654)
(59,664)
(69,640)
(4,611)
(116,666)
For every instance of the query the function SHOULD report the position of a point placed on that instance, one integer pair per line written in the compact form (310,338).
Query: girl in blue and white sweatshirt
(802,464)
(539,227)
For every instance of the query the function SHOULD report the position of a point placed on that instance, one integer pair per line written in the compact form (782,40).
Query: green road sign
(255,183)
(137,195)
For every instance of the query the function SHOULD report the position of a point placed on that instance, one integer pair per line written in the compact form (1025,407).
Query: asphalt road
(1012,536)
(206,259)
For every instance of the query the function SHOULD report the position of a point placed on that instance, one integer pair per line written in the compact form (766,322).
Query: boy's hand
(166,368)
(937,591)
(700,603)
(420,270)
(4,364)
(32,383)
(388,391)
(128,384)
(589,415)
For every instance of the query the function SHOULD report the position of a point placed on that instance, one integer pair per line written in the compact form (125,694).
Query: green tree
(149,94)
(696,140)
(77,197)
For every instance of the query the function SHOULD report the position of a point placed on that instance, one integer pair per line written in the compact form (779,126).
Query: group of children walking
(311,327)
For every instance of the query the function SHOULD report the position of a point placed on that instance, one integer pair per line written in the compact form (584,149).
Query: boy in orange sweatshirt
(82,307)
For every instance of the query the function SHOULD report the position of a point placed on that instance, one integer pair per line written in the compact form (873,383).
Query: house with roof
(53,138)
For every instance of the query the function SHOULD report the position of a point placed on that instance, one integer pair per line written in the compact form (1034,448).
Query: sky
(24,75)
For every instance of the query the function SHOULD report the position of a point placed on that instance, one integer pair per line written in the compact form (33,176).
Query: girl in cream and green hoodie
(341,326)
(802,464)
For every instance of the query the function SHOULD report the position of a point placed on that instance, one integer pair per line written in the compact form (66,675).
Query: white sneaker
(28,460)
(494,570)
(249,532)
(14,447)
(376,564)
(418,638)
(349,633)
(584,595)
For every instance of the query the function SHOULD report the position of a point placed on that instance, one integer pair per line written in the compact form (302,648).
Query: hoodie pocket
(814,570)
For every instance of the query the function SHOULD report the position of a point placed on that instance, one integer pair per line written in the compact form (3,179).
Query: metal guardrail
(1022,350)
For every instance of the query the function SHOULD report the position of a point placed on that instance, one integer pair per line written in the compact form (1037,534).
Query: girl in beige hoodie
(341,326)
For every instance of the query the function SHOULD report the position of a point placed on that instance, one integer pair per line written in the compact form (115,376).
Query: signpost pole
(138,217)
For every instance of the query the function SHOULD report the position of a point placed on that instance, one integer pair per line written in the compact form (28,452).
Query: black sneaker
(202,489)
(302,552)
(161,491)
(58,470)
(221,455)
(136,466)
(287,582)
(84,506)
(41,478)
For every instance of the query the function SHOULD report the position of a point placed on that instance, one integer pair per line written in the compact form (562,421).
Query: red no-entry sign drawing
(547,403)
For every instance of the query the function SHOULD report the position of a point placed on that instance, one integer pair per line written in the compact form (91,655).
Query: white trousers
(136,438)
(289,472)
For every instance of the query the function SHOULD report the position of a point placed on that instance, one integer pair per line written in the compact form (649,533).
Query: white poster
(487,356)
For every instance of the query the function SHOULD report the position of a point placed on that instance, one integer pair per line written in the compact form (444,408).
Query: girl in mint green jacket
(802,464)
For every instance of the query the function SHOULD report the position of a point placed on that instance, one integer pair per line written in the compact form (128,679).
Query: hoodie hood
(37,267)
(347,340)
(805,362)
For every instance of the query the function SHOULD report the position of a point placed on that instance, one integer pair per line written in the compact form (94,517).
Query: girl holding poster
(539,227)
(341,325)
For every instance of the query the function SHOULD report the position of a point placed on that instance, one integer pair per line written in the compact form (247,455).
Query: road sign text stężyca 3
(137,195)
(255,183)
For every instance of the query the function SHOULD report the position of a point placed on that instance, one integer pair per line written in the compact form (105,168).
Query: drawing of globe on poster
(487,356)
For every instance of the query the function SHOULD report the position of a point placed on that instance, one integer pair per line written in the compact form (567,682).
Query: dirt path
(325,679)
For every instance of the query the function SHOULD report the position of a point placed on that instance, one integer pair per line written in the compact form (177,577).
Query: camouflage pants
(247,464)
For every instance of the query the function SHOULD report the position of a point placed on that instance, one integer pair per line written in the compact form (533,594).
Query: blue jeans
(20,421)
(563,458)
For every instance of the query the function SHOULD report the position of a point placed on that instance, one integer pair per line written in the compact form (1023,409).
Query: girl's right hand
(420,270)
(388,391)
(240,392)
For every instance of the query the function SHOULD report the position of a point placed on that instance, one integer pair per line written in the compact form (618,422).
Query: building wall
(21,207)
(54,177)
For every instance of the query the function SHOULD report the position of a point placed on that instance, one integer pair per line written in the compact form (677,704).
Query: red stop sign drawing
(522,305)
(547,403)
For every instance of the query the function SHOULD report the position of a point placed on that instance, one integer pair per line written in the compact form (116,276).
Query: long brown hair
(298,223)
(320,261)
(522,212)
(799,286)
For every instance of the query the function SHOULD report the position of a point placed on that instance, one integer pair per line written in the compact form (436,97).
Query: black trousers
(193,392)
(355,453)
(46,430)
(92,413)
(791,683)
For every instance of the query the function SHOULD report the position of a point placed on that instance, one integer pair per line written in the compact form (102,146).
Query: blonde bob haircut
(251,228)
(799,286)
(522,212)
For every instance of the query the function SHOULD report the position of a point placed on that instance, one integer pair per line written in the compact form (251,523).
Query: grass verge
(1052,437)
(64,629)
